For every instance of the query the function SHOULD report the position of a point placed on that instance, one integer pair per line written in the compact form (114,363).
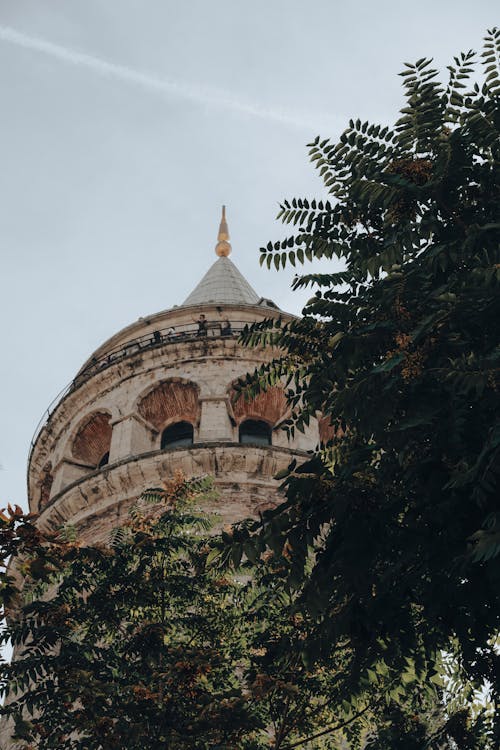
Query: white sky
(125,124)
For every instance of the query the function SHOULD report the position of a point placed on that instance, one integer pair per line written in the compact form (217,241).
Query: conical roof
(225,284)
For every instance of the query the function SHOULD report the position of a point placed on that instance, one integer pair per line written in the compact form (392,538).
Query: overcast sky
(125,124)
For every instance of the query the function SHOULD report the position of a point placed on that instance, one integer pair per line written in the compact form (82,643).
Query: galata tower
(157,397)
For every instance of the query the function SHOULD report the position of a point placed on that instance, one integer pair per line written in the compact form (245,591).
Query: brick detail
(270,406)
(46,479)
(327,432)
(93,439)
(171,401)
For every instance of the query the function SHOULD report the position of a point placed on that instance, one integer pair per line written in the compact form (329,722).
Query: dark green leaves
(393,538)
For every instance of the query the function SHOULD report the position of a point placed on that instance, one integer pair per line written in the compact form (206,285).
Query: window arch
(329,432)
(170,401)
(92,441)
(177,435)
(255,431)
(269,406)
(46,480)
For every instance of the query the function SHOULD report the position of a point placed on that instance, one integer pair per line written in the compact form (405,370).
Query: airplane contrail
(201,95)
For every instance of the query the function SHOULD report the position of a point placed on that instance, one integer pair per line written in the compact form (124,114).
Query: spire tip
(223,246)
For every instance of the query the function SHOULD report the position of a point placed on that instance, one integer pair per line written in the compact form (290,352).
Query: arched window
(255,431)
(177,435)
(93,440)
(169,402)
(104,460)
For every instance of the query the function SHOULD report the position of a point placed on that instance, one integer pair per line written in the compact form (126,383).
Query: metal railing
(154,339)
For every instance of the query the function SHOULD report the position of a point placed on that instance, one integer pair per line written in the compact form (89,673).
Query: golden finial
(223,246)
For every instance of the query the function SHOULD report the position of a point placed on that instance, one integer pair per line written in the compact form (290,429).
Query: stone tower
(156,397)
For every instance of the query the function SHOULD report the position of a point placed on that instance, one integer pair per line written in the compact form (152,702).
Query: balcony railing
(152,340)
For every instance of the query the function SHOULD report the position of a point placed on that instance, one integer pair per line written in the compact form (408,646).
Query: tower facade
(158,397)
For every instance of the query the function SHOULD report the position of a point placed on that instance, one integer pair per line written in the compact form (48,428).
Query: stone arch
(173,400)
(45,484)
(270,406)
(327,431)
(92,440)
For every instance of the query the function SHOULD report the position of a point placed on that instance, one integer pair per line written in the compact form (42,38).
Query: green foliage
(132,645)
(399,353)
(144,643)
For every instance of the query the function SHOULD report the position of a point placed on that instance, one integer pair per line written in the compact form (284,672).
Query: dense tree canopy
(392,529)
(143,643)
(129,644)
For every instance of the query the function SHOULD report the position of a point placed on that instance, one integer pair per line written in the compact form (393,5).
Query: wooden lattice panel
(93,439)
(271,406)
(169,402)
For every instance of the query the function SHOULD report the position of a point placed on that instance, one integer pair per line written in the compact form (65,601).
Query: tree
(142,643)
(392,529)
(132,644)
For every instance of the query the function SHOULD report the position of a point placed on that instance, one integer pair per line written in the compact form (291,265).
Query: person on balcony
(202,326)
(225,329)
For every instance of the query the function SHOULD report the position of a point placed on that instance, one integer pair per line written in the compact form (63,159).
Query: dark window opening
(255,431)
(177,435)
(104,460)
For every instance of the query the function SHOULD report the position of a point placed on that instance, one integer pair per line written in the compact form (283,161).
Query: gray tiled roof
(223,283)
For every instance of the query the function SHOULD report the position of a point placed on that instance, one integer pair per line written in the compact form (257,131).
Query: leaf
(389,364)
